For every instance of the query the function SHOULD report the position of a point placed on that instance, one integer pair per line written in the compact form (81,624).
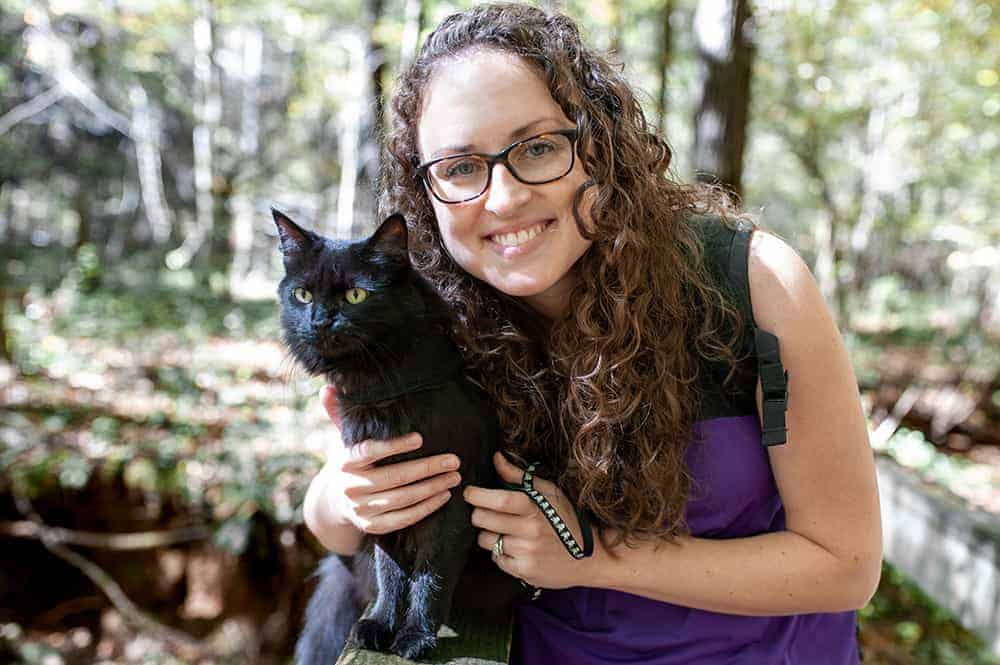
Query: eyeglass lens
(536,160)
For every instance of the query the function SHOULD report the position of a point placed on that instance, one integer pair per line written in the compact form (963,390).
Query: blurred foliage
(169,409)
(977,483)
(904,623)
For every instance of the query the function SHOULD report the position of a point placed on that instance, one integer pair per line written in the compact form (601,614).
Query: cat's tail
(335,606)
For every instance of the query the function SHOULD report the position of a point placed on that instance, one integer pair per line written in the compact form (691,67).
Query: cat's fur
(396,371)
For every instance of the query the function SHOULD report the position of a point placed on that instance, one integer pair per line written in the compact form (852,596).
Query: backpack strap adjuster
(774,385)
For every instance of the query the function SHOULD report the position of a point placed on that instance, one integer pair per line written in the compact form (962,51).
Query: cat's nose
(322,319)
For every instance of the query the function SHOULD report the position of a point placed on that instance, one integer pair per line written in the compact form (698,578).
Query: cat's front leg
(375,632)
(445,541)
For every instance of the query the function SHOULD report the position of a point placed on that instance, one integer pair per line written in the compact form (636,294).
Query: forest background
(155,441)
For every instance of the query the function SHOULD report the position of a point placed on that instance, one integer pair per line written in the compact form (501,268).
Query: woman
(591,310)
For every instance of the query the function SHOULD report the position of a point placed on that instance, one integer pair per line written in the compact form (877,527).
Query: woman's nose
(506,193)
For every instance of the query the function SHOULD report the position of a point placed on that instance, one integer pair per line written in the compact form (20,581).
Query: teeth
(514,239)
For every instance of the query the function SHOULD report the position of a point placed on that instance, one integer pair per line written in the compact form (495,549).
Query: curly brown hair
(605,397)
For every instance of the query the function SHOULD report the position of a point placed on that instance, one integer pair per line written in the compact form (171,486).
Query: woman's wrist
(333,530)
(599,568)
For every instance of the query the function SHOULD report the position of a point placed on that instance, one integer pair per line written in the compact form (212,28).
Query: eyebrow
(515,136)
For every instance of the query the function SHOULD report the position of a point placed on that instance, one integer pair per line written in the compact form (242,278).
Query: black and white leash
(548,510)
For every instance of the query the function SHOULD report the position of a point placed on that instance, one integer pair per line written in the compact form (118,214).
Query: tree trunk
(83,228)
(350,128)
(5,353)
(413,23)
(241,203)
(146,127)
(372,121)
(207,107)
(663,63)
(720,120)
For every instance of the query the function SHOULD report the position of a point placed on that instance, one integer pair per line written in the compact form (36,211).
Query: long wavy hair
(605,397)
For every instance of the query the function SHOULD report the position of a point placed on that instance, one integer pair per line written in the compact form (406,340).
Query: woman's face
(482,102)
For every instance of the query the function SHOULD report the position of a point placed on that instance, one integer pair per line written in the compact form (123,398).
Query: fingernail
(454,479)
(444,496)
(415,440)
(450,463)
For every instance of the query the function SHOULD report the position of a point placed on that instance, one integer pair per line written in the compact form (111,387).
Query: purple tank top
(733,495)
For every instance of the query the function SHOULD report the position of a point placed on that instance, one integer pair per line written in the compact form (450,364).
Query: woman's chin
(521,289)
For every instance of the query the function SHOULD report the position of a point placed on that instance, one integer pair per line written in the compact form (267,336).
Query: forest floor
(192,416)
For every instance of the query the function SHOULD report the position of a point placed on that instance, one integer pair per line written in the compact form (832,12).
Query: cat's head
(344,301)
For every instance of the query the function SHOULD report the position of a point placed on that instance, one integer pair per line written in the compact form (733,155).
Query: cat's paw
(413,641)
(372,635)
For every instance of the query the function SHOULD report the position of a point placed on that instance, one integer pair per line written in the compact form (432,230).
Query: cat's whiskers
(288,367)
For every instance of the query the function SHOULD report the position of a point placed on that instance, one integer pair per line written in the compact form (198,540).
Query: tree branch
(35,105)
(110,541)
(49,537)
(123,604)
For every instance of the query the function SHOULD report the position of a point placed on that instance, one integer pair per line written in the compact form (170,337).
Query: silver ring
(498,547)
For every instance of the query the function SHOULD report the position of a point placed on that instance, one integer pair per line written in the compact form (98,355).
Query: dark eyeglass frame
(502,158)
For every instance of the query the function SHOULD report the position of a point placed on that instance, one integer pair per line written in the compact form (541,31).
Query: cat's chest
(376,420)
(450,417)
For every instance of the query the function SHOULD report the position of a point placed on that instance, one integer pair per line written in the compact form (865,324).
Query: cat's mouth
(334,346)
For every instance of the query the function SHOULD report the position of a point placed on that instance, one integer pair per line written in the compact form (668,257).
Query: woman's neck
(554,301)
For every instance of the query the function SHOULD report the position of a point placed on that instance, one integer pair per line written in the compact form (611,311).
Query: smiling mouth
(522,236)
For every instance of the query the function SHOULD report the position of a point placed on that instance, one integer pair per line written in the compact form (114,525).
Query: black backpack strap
(774,385)
(773,376)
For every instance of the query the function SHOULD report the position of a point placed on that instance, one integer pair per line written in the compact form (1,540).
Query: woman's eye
(303,296)
(539,148)
(462,169)
(354,296)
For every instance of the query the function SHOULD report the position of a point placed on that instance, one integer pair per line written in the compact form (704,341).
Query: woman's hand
(531,549)
(350,489)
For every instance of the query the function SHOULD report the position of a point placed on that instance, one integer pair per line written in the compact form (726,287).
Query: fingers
(508,472)
(488,539)
(374,505)
(403,473)
(503,501)
(366,453)
(513,548)
(515,525)
(368,480)
(400,519)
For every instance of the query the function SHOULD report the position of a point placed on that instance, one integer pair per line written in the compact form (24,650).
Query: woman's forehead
(478,101)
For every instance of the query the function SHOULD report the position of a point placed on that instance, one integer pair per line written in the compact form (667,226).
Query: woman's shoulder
(724,242)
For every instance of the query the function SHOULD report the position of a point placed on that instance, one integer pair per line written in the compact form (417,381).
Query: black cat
(358,314)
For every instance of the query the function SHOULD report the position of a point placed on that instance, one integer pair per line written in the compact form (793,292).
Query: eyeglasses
(533,161)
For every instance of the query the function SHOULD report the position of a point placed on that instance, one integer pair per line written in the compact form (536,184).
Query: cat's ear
(390,238)
(293,238)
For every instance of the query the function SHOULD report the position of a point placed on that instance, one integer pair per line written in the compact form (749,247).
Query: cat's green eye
(354,296)
(303,296)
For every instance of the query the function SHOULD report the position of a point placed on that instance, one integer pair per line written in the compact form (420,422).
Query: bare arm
(829,556)
(334,531)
